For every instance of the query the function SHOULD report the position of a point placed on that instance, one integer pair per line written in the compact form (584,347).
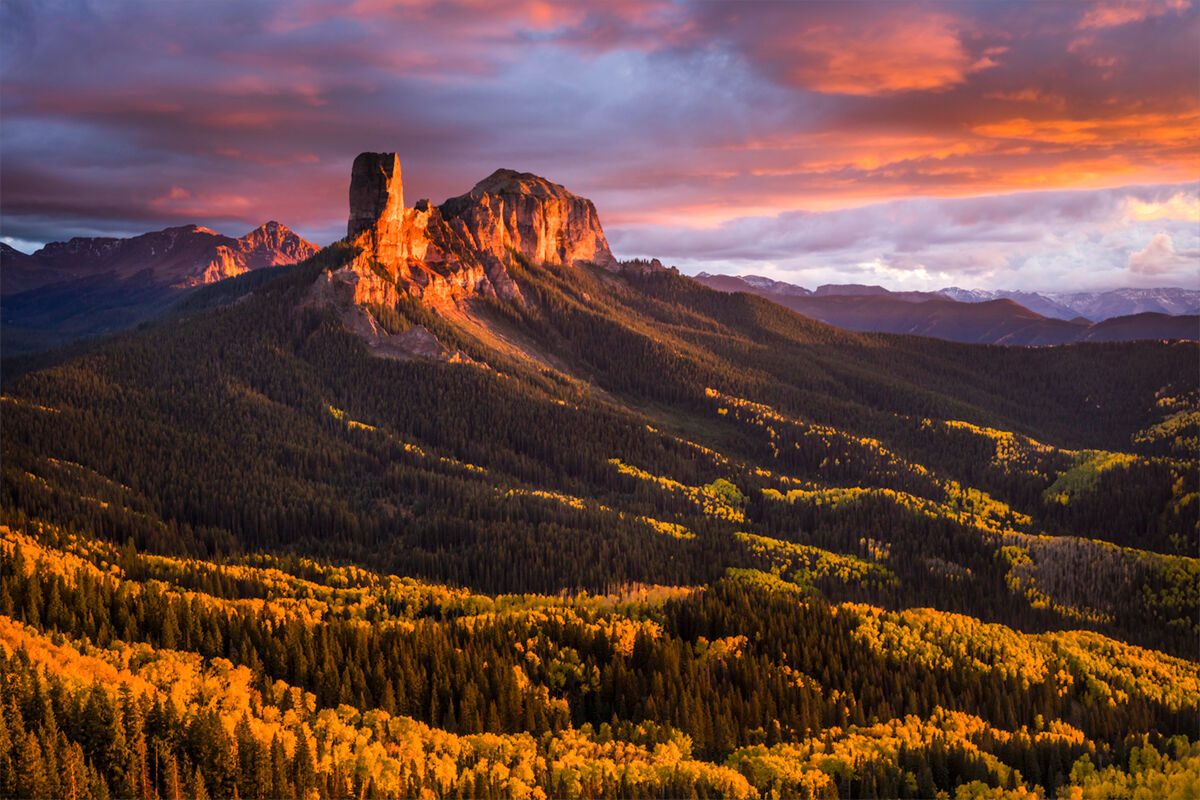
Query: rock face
(376,192)
(443,254)
(537,218)
(179,257)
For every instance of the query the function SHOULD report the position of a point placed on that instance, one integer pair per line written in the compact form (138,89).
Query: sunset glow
(689,125)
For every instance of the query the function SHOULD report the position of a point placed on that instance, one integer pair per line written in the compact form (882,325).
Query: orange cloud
(842,168)
(1031,96)
(544,15)
(897,53)
(1162,129)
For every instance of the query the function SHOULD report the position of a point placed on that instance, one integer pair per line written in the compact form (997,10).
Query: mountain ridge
(178,257)
(1093,305)
(90,286)
(992,320)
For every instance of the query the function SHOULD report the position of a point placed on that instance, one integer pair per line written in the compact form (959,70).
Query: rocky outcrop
(376,193)
(274,244)
(461,249)
(404,250)
(179,257)
(541,220)
(339,291)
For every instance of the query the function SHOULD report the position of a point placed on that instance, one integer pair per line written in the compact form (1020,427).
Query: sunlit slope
(686,338)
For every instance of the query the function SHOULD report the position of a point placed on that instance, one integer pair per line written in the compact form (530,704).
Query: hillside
(389,525)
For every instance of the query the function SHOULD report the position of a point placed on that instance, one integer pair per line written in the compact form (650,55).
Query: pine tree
(172,778)
(8,777)
(302,764)
(196,788)
(170,635)
(31,770)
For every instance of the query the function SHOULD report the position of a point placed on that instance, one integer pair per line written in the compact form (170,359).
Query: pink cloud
(1110,14)
(1158,257)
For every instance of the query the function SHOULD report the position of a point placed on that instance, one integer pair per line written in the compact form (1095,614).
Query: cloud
(896,52)
(902,273)
(716,130)
(1158,257)
(1033,240)
(1172,130)
(1109,14)
(1180,206)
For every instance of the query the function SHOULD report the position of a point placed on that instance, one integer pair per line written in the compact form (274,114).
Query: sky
(1050,146)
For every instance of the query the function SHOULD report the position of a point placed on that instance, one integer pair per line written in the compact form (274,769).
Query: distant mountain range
(1094,306)
(1012,318)
(90,286)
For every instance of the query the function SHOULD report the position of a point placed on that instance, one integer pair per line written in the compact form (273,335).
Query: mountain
(992,322)
(388,526)
(765,286)
(1146,325)
(1037,303)
(1091,306)
(1096,306)
(180,257)
(996,321)
(1126,302)
(859,290)
(19,271)
(91,286)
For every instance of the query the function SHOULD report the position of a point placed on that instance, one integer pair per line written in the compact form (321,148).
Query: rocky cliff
(537,218)
(443,254)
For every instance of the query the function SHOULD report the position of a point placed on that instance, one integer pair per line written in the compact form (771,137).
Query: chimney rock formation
(376,192)
(461,249)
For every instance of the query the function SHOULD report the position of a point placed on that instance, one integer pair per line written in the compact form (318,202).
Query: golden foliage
(714,500)
(1098,669)
(804,563)
(1083,476)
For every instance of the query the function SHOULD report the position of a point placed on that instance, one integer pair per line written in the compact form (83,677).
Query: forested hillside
(637,538)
